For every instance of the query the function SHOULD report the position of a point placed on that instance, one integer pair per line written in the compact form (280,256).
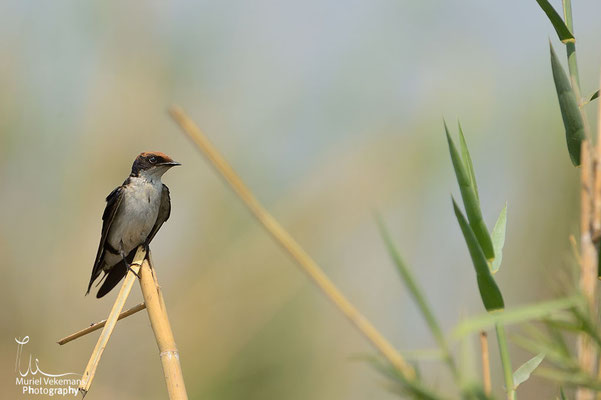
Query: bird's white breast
(137,213)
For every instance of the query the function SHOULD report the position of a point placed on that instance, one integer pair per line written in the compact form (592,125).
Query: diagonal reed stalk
(111,321)
(97,325)
(282,237)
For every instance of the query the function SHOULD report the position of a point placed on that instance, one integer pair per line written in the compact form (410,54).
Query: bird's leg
(131,269)
(124,257)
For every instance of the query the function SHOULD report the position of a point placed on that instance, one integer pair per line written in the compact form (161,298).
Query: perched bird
(134,213)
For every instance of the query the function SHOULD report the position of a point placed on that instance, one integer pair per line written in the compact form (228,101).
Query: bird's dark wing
(113,201)
(119,270)
(164,212)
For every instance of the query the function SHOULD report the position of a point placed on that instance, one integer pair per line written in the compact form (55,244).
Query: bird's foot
(132,270)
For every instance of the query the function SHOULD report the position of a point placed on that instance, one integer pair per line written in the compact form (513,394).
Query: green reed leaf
(470,200)
(489,291)
(522,374)
(498,239)
(561,28)
(525,313)
(467,159)
(570,112)
(411,284)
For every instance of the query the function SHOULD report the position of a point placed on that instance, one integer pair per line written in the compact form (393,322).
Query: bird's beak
(171,163)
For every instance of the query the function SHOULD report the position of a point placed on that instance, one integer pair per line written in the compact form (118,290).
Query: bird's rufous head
(152,160)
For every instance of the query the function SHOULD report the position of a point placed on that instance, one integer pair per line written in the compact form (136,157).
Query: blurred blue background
(329,111)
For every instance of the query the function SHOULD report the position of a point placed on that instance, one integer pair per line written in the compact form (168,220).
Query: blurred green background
(329,111)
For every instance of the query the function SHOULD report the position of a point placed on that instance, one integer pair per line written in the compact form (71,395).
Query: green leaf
(474,391)
(562,394)
(489,291)
(424,355)
(560,27)
(590,98)
(498,239)
(470,200)
(538,341)
(412,388)
(412,286)
(587,325)
(465,155)
(505,360)
(522,374)
(556,337)
(526,313)
(417,294)
(570,112)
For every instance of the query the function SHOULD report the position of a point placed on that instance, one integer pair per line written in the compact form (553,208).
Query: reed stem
(130,278)
(485,363)
(157,313)
(505,361)
(282,237)
(97,325)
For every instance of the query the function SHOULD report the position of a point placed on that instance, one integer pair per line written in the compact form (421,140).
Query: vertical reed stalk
(485,363)
(588,199)
(596,228)
(571,46)
(157,313)
(597,206)
(588,267)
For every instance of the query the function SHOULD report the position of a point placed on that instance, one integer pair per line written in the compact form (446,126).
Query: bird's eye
(152,160)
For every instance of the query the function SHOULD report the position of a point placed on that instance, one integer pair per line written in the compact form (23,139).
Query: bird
(134,213)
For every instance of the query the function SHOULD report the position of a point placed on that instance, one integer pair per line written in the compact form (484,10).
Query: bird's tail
(115,274)
(113,277)
(95,273)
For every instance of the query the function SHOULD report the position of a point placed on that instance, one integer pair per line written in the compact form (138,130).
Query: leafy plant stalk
(571,49)
(417,294)
(589,252)
(505,361)
(463,172)
(562,30)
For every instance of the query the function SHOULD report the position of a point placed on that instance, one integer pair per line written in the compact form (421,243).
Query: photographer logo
(32,380)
